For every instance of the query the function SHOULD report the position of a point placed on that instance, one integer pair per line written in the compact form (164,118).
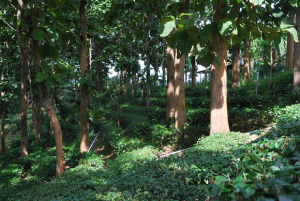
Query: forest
(150,100)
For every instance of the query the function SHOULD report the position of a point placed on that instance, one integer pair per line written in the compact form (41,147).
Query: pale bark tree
(290,48)
(218,100)
(24,58)
(296,84)
(170,83)
(246,61)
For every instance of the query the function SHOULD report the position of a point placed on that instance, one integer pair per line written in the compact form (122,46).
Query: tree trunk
(2,150)
(52,103)
(179,96)
(142,94)
(37,114)
(91,69)
(24,141)
(50,111)
(162,64)
(170,84)
(252,66)
(148,66)
(296,84)
(156,62)
(290,48)
(246,61)
(271,67)
(218,100)
(236,66)
(84,144)
(194,73)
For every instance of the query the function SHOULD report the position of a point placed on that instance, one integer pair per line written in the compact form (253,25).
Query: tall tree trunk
(84,144)
(2,150)
(170,84)
(236,66)
(290,48)
(156,62)
(91,69)
(50,111)
(252,66)
(52,103)
(296,84)
(148,66)
(162,64)
(24,141)
(218,100)
(271,66)
(38,114)
(246,61)
(179,96)
(194,73)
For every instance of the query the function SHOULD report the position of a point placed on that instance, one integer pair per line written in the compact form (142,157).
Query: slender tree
(236,66)
(84,144)
(296,84)
(246,60)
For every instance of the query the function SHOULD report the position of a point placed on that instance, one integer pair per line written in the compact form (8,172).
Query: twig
(9,25)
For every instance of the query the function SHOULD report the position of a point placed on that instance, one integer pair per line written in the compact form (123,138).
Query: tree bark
(271,67)
(37,114)
(24,141)
(246,61)
(290,48)
(84,144)
(2,150)
(194,73)
(179,96)
(296,84)
(148,65)
(162,64)
(156,62)
(50,111)
(252,66)
(91,69)
(236,66)
(170,84)
(218,100)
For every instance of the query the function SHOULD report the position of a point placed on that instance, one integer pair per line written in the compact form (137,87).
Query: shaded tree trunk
(24,141)
(296,84)
(252,66)
(246,61)
(236,66)
(84,144)
(37,114)
(148,66)
(2,150)
(162,64)
(170,84)
(91,69)
(50,111)
(271,66)
(194,73)
(218,100)
(156,62)
(290,48)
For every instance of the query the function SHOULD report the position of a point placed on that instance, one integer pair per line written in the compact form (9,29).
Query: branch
(12,6)
(22,5)
(9,25)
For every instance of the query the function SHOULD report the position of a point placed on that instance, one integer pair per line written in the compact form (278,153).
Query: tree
(290,47)
(236,66)
(246,60)
(296,84)
(84,144)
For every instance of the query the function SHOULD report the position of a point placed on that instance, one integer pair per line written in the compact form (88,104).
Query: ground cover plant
(217,167)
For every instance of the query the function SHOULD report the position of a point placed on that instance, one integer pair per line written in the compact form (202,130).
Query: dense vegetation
(227,166)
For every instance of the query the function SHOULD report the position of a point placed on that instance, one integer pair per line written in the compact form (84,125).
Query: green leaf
(279,44)
(52,33)
(225,24)
(38,34)
(167,28)
(46,68)
(257,2)
(83,31)
(284,23)
(40,77)
(204,57)
(188,21)
(254,158)
(217,58)
(49,82)
(293,33)
(54,53)
(58,78)
(82,80)
(220,179)
(277,15)
(255,168)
